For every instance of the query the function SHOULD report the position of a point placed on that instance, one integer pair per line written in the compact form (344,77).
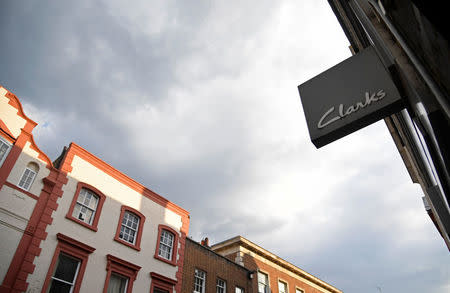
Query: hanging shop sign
(347,97)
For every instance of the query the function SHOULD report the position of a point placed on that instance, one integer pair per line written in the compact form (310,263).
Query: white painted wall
(117,195)
(9,115)
(29,155)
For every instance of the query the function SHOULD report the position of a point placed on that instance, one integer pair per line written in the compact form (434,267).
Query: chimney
(205,242)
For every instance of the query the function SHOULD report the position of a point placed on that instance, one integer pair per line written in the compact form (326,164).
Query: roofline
(219,255)
(241,241)
(75,149)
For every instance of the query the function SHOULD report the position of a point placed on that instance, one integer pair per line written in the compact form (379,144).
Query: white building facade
(79,225)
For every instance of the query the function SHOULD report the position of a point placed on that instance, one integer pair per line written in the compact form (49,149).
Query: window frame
(241,290)
(140,228)
(101,201)
(72,284)
(267,288)
(72,248)
(203,289)
(32,180)
(299,290)
(218,286)
(120,267)
(9,144)
(286,286)
(173,259)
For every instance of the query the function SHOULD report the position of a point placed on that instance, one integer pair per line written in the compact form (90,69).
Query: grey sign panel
(347,97)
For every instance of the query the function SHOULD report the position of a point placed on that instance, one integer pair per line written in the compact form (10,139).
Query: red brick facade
(255,259)
(216,266)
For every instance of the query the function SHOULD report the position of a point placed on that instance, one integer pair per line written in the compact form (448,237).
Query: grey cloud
(199,103)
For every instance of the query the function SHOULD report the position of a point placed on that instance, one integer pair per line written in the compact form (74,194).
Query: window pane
(4,148)
(66,269)
(27,179)
(199,281)
(117,284)
(85,207)
(129,227)
(59,287)
(220,287)
(166,244)
(282,287)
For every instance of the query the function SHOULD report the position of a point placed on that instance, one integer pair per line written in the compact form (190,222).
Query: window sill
(84,224)
(127,243)
(170,262)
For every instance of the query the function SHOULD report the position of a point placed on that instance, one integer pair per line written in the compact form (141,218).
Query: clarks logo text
(370,98)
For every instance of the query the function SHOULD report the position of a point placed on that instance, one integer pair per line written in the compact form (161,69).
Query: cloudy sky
(198,100)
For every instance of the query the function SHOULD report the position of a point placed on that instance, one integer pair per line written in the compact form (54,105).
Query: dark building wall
(216,266)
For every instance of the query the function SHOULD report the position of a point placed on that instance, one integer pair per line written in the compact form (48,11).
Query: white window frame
(285,286)
(94,211)
(266,285)
(200,275)
(221,288)
(163,244)
(239,290)
(298,290)
(131,228)
(27,188)
(72,284)
(4,141)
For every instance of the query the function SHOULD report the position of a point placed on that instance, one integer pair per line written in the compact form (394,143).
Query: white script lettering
(369,99)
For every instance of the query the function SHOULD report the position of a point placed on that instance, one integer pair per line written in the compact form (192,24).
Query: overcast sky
(198,101)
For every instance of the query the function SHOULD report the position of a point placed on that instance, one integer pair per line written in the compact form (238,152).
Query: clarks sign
(348,97)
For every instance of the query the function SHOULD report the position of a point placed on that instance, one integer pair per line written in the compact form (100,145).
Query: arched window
(166,247)
(28,176)
(130,227)
(86,206)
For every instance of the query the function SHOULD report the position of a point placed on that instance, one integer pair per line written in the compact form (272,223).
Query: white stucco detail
(9,115)
(9,239)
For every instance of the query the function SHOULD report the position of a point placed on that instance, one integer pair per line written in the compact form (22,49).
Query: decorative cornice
(73,242)
(245,243)
(163,278)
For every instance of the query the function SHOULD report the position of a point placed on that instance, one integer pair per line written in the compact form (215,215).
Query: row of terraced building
(77,224)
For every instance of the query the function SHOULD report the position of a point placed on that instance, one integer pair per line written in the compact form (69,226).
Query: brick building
(205,271)
(271,273)
(78,224)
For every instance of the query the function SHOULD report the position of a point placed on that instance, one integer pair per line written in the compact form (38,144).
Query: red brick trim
(11,159)
(121,267)
(180,263)
(173,260)
(137,242)
(14,101)
(161,282)
(101,200)
(22,262)
(75,249)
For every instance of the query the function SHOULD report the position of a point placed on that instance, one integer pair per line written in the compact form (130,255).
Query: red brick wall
(274,275)
(199,257)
